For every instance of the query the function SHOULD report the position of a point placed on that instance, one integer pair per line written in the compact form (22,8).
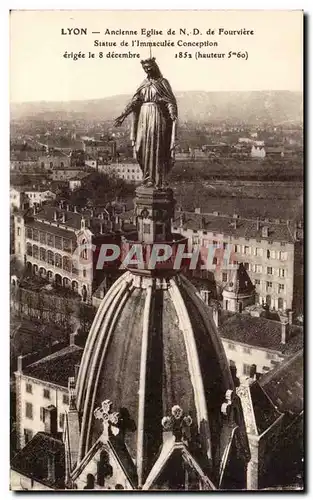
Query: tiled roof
(259,332)
(57,367)
(284,385)
(225,224)
(32,460)
(73,221)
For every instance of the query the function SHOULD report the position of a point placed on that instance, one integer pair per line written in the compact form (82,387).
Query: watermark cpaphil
(210,257)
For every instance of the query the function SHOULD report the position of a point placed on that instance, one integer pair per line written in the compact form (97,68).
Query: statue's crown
(149,60)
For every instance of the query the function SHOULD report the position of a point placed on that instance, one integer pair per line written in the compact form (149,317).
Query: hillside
(249,107)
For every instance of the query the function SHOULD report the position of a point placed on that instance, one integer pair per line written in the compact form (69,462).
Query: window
(84,273)
(282,273)
(18,231)
(29,233)
(29,249)
(42,237)
(257,282)
(28,434)
(50,240)
(224,277)
(268,254)
(236,248)
(224,246)
(258,268)
(42,414)
(273,254)
(61,420)
(29,410)
(246,250)
(269,270)
(266,368)
(246,265)
(66,399)
(269,284)
(146,228)
(246,369)
(29,388)
(259,252)
(58,242)
(35,251)
(50,257)
(231,347)
(281,288)
(46,393)
(214,261)
(214,244)
(247,350)
(36,235)
(282,244)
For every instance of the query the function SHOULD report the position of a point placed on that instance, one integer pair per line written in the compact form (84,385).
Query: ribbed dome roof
(153,344)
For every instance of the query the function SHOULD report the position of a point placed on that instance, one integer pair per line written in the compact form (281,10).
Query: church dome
(153,345)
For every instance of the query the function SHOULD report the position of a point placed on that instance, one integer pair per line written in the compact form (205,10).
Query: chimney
(182,220)
(20,364)
(252,373)
(284,322)
(51,426)
(235,223)
(101,228)
(216,213)
(265,232)
(216,316)
(290,313)
(235,216)
(75,209)
(73,337)
(202,223)
(76,368)
(258,224)
(63,217)
(197,210)
(101,215)
(55,215)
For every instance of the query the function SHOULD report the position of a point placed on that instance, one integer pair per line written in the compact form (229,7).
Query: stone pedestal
(154,211)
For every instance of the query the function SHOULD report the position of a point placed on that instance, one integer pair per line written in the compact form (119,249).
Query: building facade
(42,391)
(48,242)
(265,247)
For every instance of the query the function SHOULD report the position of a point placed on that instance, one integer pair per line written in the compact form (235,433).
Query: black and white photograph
(156,250)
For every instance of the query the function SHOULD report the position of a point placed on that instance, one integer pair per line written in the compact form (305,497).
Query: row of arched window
(54,259)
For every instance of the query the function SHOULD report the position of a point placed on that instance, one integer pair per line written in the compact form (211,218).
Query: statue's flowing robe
(154,111)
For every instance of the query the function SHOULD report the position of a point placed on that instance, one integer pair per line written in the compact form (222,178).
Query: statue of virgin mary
(153,132)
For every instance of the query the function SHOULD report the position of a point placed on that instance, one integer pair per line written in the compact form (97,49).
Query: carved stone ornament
(110,420)
(178,423)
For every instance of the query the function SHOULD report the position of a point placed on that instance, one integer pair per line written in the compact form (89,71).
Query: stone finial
(227,408)
(110,420)
(178,423)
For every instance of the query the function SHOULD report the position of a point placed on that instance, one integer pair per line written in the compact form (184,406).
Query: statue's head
(151,68)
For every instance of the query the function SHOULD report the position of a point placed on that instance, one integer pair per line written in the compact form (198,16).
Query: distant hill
(196,106)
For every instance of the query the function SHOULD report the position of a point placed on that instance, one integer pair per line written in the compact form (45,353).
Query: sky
(38,70)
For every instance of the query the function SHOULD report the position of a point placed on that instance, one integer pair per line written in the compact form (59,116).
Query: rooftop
(284,385)
(236,227)
(32,460)
(57,367)
(72,222)
(259,332)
